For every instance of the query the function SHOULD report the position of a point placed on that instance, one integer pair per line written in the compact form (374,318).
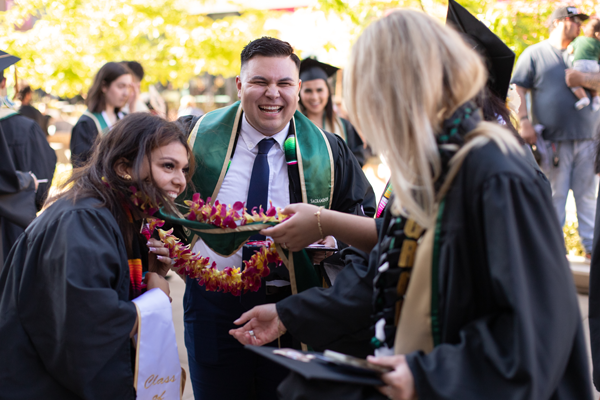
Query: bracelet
(318,215)
(524,117)
(279,332)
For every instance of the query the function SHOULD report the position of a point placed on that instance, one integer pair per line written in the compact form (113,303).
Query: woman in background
(109,93)
(317,104)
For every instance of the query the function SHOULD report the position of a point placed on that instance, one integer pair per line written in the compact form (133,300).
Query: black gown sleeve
(594,301)
(83,137)
(352,192)
(534,337)
(69,305)
(336,318)
(38,157)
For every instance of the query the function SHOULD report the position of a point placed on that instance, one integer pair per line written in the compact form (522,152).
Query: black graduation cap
(500,58)
(311,69)
(6,60)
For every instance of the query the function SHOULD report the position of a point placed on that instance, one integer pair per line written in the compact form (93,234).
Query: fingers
(247,316)
(290,209)
(164,260)
(387,361)
(157,247)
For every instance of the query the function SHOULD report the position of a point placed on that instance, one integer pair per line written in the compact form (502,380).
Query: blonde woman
(467,294)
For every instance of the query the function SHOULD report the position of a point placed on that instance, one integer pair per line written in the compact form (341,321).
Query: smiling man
(259,150)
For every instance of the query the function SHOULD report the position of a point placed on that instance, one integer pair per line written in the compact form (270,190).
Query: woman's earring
(127,177)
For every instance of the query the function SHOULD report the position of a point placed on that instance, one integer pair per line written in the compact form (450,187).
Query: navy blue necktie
(258,191)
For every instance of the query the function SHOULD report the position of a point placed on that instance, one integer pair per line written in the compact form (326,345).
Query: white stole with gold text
(157,369)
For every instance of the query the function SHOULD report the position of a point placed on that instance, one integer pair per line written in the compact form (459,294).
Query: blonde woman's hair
(407,74)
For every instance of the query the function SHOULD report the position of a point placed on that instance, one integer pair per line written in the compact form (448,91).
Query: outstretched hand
(299,231)
(262,326)
(400,383)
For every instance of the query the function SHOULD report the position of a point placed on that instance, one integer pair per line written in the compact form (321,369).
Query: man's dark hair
(269,47)
(136,68)
(1,75)
(111,71)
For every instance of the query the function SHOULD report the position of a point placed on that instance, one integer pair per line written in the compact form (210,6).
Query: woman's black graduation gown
(510,326)
(83,137)
(65,314)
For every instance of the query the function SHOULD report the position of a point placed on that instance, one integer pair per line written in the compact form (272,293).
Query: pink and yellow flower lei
(224,216)
(229,280)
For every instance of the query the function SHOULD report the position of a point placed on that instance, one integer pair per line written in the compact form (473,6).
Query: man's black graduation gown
(509,316)
(29,151)
(65,316)
(83,137)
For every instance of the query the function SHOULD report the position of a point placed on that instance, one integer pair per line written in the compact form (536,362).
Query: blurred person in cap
(317,104)
(568,133)
(27,151)
(109,93)
(29,111)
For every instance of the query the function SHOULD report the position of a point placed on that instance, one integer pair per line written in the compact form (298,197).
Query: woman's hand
(263,328)
(154,280)
(162,263)
(300,230)
(400,384)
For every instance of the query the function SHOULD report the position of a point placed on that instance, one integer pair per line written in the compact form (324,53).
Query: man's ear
(238,84)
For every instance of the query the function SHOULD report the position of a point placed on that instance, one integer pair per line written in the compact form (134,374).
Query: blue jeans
(575,171)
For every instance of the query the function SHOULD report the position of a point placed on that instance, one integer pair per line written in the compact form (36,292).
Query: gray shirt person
(541,68)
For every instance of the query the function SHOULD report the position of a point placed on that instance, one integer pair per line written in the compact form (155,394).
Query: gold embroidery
(407,254)
(412,229)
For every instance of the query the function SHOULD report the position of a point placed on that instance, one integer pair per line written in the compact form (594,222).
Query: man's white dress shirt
(237,181)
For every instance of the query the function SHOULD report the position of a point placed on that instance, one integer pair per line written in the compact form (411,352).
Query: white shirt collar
(251,136)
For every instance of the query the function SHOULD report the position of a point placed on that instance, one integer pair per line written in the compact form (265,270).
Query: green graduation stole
(213,144)
(212,140)
(98,119)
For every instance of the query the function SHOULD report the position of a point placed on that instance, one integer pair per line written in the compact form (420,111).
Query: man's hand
(263,327)
(527,132)
(574,78)
(400,383)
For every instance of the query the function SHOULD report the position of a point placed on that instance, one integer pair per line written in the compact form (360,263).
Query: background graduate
(317,104)
(468,285)
(109,93)
(65,293)
(28,152)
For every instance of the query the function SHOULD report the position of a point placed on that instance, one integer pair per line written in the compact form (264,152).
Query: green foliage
(74,38)
(519,23)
